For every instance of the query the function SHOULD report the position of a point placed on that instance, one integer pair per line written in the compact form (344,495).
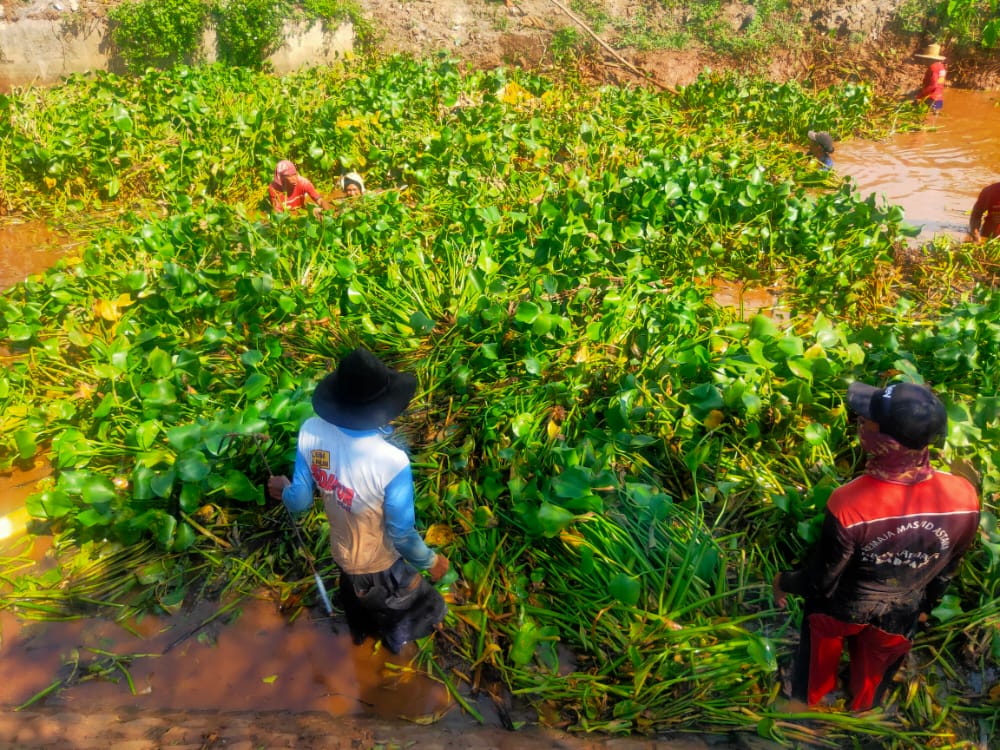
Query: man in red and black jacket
(984,221)
(891,541)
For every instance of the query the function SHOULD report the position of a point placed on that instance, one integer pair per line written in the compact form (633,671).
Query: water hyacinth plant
(615,463)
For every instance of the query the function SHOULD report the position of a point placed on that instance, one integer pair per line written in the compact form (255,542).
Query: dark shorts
(397,605)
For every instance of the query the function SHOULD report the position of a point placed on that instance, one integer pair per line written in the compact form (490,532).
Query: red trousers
(873,653)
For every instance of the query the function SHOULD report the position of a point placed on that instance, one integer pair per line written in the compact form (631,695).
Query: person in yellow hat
(932,89)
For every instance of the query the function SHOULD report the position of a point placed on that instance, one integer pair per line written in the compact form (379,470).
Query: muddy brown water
(26,248)
(935,174)
(264,660)
(253,658)
(259,661)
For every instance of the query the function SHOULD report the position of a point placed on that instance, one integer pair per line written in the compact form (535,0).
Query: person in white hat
(932,89)
(352,184)
(366,484)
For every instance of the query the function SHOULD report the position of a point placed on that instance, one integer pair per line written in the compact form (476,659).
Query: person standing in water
(290,191)
(984,221)
(932,88)
(891,541)
(366,484)
(352,184)
(821,146)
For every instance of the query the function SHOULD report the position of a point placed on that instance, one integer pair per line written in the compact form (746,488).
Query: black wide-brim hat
(363,393)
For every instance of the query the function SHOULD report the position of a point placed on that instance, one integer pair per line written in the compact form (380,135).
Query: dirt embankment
(613,41)
(833,39)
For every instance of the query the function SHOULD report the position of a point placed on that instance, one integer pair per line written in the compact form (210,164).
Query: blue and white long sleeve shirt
(366,484)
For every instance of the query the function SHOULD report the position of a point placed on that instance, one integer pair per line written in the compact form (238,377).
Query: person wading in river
(366,484)
(984,221)
(352,184)
(289,190)
(821,146)
(932,88)
(891,541)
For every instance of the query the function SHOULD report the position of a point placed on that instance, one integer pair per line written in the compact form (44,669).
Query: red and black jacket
(888,550)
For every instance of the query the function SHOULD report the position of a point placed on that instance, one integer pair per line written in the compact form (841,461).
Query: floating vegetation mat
(616,464)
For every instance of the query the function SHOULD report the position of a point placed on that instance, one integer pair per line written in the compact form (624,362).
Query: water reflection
(15,486)
(748,301)
(934,175)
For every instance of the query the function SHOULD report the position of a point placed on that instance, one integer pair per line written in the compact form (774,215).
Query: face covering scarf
(283,168)
(890,461)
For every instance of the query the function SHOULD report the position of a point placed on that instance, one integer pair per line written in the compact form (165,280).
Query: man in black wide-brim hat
(367,488)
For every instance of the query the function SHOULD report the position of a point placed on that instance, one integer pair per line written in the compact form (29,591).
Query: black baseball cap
(908,412)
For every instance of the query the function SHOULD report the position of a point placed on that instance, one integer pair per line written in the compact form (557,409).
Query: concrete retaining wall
(41,51)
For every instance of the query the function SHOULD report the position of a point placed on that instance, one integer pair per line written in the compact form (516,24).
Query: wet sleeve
(298,496)
(819,578)
(400,520)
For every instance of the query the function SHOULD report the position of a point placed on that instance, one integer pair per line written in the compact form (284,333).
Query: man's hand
(439,568)
(276,485)
(780,598)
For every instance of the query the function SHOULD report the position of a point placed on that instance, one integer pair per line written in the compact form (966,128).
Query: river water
(265,661)
(935,174)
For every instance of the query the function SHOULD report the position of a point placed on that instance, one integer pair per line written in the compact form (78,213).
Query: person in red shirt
(289,190)
(891,541)
(932,88)
(984,221)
